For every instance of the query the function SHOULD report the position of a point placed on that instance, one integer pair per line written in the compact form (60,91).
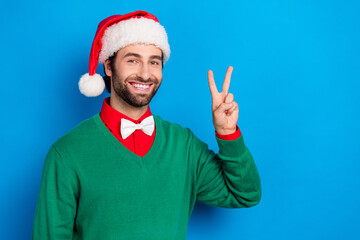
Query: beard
(136,100)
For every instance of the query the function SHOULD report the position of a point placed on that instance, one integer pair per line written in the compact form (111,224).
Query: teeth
(141,86)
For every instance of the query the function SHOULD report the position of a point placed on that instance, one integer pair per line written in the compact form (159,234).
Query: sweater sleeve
(57,200)
(228,179)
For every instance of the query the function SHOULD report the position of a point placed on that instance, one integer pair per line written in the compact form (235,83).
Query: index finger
(212,84)
(227,79)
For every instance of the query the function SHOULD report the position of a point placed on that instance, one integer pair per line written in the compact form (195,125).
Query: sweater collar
(112,118)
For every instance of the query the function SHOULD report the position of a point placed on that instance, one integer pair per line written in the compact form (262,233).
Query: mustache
(142,80)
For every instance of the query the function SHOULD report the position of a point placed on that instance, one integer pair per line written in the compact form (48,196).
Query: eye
(132,61)
(154,63)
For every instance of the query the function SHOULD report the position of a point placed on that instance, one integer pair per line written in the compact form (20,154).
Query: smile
(140,86)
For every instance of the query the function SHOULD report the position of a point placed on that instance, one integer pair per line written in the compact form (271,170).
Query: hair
(107,79)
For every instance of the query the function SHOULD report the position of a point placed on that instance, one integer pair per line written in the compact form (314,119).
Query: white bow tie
(127,127)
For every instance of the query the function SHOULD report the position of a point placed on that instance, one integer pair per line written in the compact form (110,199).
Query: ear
(107,66)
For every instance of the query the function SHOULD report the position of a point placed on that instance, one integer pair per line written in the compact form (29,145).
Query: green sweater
(92,187)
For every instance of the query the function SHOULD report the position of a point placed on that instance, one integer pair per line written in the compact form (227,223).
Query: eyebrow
(131,54)
(156,57)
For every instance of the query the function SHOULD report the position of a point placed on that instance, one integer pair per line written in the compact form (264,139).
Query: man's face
(137,74)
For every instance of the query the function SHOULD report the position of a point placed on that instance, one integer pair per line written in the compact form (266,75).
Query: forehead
(144,50)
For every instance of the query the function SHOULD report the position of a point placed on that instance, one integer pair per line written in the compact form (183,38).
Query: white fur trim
(134,30)
(91,86)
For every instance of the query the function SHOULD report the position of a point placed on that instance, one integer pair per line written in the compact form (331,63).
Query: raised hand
(225,110)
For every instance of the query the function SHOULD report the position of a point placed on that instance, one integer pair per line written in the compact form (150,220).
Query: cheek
(123,74)
(157,73)
(124,70)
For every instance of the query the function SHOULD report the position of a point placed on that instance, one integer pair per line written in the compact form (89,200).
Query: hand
(225,110)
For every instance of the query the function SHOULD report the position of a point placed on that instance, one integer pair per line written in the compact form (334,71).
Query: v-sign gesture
(225,110)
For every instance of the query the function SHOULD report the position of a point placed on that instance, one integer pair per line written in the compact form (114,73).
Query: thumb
(223,108)
(229,98)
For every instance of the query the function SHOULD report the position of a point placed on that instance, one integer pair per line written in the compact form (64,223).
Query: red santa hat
(116,32)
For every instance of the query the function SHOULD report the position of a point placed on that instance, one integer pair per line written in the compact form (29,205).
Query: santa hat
(116,32)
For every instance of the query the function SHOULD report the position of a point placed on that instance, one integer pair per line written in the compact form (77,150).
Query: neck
(132,112)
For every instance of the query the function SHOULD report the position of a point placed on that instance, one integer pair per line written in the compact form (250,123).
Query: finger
(229,98)
(224,107)
(233,109)
(212,85)
(227,79)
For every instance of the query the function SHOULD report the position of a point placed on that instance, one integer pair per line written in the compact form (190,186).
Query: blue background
(296,79)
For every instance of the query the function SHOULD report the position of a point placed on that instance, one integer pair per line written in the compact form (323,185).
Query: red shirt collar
(112,118)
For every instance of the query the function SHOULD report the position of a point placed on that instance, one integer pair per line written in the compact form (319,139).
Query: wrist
(225,131)
(229,137)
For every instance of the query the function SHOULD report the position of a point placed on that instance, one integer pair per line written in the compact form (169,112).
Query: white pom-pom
(91,86)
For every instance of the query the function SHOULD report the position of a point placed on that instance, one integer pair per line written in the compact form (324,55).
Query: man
(128,174)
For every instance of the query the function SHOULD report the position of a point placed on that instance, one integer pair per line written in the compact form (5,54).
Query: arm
(57,200)
(229,179)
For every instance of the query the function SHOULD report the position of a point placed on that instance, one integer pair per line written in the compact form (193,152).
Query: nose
(144,72)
